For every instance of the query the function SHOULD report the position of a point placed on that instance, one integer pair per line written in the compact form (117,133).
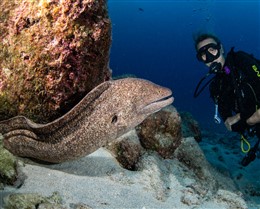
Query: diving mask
(209,52)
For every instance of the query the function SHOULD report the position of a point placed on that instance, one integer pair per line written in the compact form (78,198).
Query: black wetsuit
(238,91)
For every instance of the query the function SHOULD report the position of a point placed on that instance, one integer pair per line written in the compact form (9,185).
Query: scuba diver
(235,89)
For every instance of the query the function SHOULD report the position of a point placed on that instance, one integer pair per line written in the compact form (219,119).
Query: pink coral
(55,51)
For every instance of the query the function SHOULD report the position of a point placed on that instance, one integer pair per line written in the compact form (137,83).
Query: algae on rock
(8,166)
(24,201)
(52,54)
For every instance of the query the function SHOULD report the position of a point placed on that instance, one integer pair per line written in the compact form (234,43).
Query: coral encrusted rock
(127,150)
(52,54)
(9,172)
(33,200)
(161,131)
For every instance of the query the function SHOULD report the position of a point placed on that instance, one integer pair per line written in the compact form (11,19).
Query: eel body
(107,112)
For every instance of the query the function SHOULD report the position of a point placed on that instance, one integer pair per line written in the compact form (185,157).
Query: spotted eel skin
(107,112)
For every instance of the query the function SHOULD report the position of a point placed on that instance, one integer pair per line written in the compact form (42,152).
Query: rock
(52,54)
(127,150)
(190,127)
(33,200)
(161,131)
(190,154)
(9,168)
(230,198)
(208,179)
(97,181)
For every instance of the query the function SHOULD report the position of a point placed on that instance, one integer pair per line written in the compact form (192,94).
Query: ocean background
(153,39)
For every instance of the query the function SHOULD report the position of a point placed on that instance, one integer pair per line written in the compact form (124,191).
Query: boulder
(10,173)
(161,131)
(127,150)
(52,54)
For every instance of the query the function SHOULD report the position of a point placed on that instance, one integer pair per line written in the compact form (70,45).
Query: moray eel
(105,113)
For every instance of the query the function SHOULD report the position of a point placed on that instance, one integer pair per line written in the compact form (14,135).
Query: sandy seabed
(98,181)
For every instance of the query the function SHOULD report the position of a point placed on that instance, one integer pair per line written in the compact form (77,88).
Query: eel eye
(114,119)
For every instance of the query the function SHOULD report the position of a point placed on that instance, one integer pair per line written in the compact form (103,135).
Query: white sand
(98,181)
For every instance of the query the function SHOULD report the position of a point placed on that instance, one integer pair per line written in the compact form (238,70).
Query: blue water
(153,39)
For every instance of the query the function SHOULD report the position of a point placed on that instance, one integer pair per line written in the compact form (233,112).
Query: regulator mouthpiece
(215,68)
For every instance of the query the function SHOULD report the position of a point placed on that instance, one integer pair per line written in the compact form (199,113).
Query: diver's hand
(232,120)
(255,118)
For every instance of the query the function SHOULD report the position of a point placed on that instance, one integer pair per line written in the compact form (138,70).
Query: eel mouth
(157,105)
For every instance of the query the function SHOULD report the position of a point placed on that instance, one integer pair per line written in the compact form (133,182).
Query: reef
(185,180)
(32,200)
(161,131)
(127,150)
(52,54)
(9,172)
(35,200)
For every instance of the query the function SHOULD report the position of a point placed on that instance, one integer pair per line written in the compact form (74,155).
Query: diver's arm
(255,118)
(230,121)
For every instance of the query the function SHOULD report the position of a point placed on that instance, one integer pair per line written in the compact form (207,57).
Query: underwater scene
(154,40)
(105,104)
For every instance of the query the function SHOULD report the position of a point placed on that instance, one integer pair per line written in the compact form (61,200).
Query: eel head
(130,101)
